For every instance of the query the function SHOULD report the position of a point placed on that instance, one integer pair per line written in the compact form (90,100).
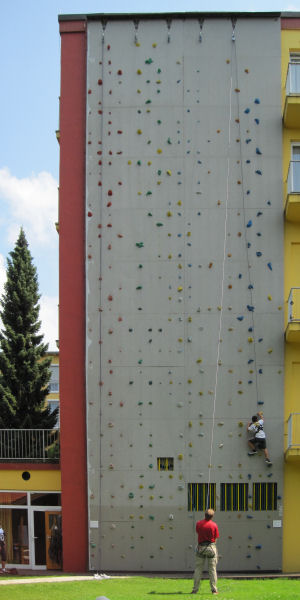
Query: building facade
(30,495)
(175,272)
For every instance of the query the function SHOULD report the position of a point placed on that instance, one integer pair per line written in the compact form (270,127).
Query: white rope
(222,293)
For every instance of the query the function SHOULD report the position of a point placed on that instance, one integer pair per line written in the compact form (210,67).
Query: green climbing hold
(140,362)
(159,172)
(159,224)
(148,61)
(131,495)
(140,266)
(139,244)
(148,101)
(139,162)
(158,70)
(159,122)
(149,193)
(169,141)
(150,214)
(139,287)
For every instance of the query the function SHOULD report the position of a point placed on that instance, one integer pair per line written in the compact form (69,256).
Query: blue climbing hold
(257,101)
(249,245)
(269,265)
(260,402)
(258,253)
(256,121)
(251,360)
(249,224)
(258,172)
(248,140)
(248,161)
(250,329)
(246,111)
(259,213)
(258,547)
(250,286)
(241,318)
(260,339)
(248,192)
(240,275)
(260,371)
(258,151)
(250,308)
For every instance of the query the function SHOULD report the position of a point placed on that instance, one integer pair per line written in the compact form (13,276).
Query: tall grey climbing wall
(184,288)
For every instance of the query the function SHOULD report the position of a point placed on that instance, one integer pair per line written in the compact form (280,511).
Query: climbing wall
(184,264)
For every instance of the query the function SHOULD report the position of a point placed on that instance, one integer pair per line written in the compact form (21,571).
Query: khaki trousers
(212,571)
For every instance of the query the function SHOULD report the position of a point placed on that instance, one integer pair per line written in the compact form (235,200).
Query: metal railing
(294,305)
(294,430)
(34,445)
(292,84)
(293,178)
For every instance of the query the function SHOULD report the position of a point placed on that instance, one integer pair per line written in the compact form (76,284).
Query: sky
(29,152)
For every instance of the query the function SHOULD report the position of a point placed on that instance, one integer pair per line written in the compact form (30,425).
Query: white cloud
(2,274)
(49,318)
(32,202)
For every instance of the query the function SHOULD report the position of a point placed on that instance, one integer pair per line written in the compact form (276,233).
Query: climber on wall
(258,442)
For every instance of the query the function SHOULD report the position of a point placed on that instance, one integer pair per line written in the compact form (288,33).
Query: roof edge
(177,15)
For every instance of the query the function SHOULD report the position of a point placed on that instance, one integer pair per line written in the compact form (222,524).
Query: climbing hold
(258,171)
(258,253)
(269,265)
(139,244)
(269,297)
(169,172)
(249,224)
(246,111)
(258,151)
(257,101)
(148,61)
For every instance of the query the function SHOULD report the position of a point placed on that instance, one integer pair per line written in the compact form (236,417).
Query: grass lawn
(153,588)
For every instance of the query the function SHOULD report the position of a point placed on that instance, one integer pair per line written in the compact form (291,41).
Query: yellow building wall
(291,516)
(44,480)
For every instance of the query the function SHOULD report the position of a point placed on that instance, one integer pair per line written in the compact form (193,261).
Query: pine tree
(24,367)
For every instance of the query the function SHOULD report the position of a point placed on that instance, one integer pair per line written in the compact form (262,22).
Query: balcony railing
(33,445)
(292,84)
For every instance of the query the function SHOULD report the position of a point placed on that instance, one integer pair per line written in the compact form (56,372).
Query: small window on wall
(264,496)
(201,496)
(165,464)
(234,496)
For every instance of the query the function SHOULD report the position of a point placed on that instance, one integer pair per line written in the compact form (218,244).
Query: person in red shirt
(208,533)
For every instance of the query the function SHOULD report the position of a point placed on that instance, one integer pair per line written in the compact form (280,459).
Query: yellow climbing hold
(180,288)
(250,340)
(270,350)
(189,319)
(180,456)
(169,172)
(149,163)
(154,45)
(179,203)
(170,256)
(169,213)
(269,297)
(199,360)
(189,380)
(139,71)
(139,131)
(159,150)
(129,162)
(137,44)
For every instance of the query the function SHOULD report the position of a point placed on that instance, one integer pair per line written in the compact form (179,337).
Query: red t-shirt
(207,531)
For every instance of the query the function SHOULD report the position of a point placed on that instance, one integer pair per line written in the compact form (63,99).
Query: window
(53,404)
(201,496)
(54,380)
(165,464)
(234,496)
(264,496)
(294,73)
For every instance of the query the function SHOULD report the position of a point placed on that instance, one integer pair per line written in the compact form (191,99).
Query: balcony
(292,453)
(30,445)
(292,332)
(292,204)
(291,112)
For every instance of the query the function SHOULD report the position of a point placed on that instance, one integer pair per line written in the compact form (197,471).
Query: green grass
(153,588)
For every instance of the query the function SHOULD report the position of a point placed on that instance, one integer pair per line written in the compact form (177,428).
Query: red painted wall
(72,295)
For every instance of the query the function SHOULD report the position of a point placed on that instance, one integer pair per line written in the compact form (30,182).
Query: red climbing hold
(90,214)
(109,193)
(100,82)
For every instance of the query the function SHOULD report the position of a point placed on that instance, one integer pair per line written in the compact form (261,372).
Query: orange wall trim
(72,296)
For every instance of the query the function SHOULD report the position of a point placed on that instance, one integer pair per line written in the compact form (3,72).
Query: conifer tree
(24,368)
